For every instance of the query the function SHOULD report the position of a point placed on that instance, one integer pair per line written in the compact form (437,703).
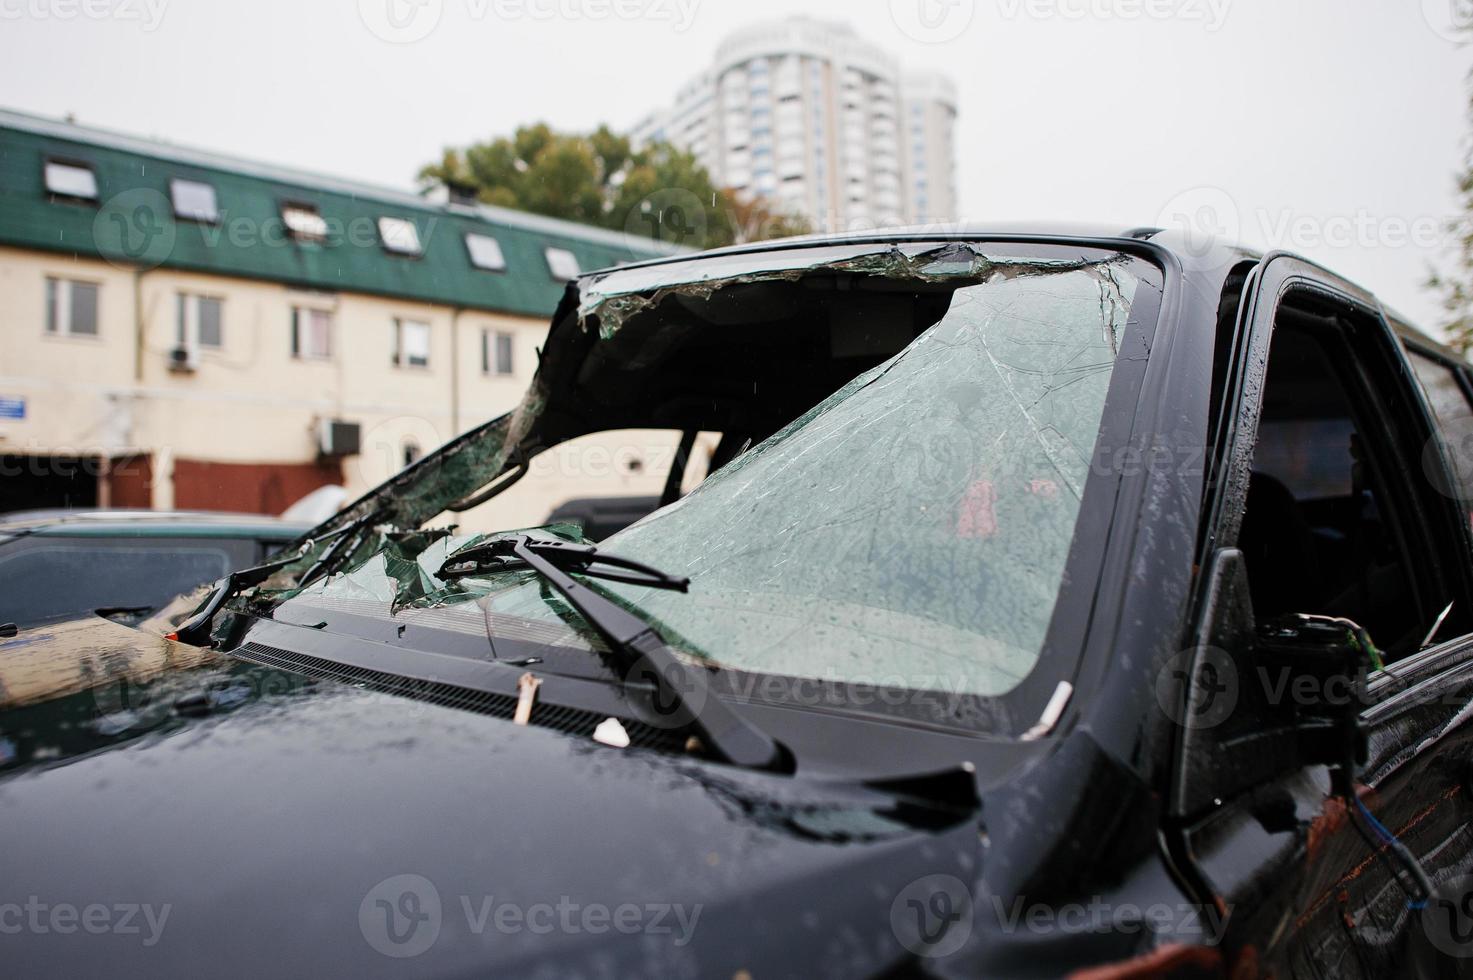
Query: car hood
(254,822)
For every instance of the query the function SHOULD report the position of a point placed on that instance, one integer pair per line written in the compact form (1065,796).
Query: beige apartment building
(184,330)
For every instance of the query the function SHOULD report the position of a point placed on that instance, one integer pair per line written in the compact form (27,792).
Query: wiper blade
(501,554)
(641,653)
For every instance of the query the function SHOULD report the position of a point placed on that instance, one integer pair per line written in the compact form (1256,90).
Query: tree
(657,191)
(1457,286)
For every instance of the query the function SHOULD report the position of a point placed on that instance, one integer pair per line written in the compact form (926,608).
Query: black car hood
(319,829)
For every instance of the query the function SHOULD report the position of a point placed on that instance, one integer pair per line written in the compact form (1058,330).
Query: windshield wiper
(638,648)
(196,629)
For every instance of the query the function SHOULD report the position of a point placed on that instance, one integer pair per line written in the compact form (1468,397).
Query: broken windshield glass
(909,530)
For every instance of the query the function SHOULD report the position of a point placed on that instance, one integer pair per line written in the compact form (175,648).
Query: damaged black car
(1094,604)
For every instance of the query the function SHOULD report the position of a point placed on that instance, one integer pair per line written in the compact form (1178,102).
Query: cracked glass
(910,530)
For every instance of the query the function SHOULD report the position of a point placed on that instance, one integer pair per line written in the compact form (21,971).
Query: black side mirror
(1257,701)
(1322,665)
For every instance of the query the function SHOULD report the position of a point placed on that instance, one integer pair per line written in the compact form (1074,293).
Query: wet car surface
(961,661)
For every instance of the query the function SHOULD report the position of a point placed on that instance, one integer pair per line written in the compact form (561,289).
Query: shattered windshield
(909,530)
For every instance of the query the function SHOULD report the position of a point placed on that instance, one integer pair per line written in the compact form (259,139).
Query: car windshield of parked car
(911,530)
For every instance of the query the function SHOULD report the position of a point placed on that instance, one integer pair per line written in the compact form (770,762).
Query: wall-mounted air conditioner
(338,438)
(183,360)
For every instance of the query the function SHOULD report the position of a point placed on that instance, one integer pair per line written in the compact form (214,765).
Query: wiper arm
(196,630)
(640,651)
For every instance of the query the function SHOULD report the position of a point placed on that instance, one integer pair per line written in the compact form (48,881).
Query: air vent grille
(574,721)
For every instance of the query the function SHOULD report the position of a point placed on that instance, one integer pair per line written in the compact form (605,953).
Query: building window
(200,322)
(71,180)
(311,333)
(194,201)
(303,222)
(496,352)
(71,308)
(562,263)
(485,252)
(399,235)
(411,343)
(412,452)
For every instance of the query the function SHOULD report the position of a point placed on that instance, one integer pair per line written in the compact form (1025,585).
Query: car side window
(1330,525)
(1453,417)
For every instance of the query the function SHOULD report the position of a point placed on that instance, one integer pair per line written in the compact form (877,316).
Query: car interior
(788,346)
(1318,534)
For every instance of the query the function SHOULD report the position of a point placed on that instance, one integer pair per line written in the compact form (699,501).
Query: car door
(1327,501)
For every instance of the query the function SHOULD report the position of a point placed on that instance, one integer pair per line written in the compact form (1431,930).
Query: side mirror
(1254,702)
(1322,664)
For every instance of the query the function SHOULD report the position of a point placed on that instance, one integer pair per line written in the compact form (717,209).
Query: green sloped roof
(132,222)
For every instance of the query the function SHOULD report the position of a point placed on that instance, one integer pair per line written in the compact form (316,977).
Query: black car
(1087,604)
(58,563)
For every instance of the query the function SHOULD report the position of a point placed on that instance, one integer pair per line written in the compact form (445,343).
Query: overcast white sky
(1332,127)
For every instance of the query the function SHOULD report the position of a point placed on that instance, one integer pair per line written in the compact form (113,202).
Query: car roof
(97,521)
(1057,231)
(1196,254)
